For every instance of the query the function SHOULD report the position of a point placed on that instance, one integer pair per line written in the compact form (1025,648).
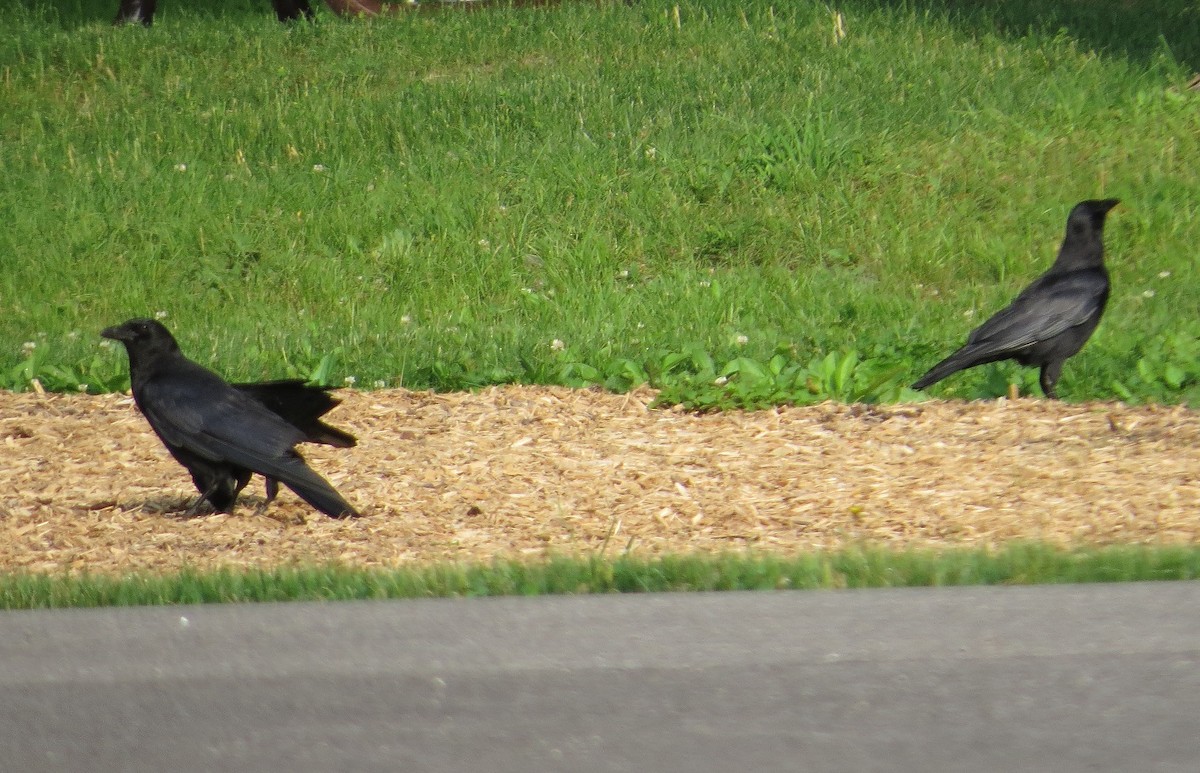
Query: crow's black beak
(116,333)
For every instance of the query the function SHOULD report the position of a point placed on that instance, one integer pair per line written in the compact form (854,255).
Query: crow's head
(142,336)
(1088,216)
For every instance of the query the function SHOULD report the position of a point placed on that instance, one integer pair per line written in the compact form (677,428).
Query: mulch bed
(526,471)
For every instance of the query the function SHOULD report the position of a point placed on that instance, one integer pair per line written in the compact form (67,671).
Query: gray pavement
(1065,678)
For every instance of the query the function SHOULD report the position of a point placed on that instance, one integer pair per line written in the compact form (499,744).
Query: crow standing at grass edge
(219,432)
(1053,318)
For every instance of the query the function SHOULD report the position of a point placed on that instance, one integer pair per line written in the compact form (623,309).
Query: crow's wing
(1050,306)
(212,419)
(302,406)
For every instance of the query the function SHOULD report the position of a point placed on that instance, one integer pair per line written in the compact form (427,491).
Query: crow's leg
(272,492)
(1049,377)
(219,493)
(195,507)
(272,489)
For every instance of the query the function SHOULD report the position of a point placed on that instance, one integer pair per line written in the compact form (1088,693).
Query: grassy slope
(437,198)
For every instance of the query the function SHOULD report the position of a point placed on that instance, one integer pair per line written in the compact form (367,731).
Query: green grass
(608,195)
(434,200)
(852,568)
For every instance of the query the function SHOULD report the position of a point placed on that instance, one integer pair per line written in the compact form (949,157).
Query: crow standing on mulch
(224,433)
(1052,318)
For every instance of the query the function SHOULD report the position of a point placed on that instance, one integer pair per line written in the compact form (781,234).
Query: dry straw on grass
(85,485)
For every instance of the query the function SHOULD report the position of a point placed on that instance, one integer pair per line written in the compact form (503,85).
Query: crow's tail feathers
(969,356)
(960,360)
(320,432)
(314,489)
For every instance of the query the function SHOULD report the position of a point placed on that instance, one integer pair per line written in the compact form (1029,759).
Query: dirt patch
(520,471)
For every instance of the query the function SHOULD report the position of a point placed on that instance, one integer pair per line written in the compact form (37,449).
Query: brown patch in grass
(520,471)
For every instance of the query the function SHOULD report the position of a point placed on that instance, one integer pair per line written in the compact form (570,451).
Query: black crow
(221,433)
(1051,319)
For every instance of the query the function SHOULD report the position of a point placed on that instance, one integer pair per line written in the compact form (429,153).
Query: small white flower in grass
(705,283)
(721,380)
(484,243)
(379,383)
(350,380)
(405,320)
(623,274)
(181,167)
(742,340)
(969,313)
(73,335)
(557,345)
(28,347)
(107,344)
(318,167)
(160,315)
(1147,293)
(81,387)
(651,152)
(1163,274)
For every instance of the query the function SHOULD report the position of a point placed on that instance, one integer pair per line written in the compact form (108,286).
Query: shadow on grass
(1140,30)
(70,14)
(74,13)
